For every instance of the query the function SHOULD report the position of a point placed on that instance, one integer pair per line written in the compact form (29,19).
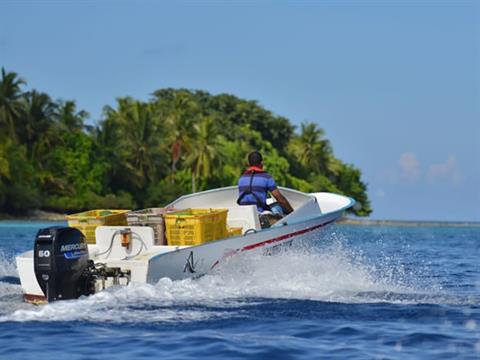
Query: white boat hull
(150,263)
(199,260)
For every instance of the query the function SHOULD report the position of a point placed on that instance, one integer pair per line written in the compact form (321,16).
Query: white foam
(333,274)
(10,293)
(329,275)
(7,267)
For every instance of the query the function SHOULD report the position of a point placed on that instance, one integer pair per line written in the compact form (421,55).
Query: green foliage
(79,172)
(348,181)
(301,184)
(20,193)
(10,102)
(162,193)
(90,200)
(145,154)
(322,183)
(276,165)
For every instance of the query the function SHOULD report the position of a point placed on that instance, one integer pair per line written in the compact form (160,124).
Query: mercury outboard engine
(61,263)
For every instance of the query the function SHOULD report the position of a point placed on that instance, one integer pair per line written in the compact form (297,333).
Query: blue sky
(395,84)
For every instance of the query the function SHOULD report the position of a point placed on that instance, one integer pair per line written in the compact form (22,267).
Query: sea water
(349,292)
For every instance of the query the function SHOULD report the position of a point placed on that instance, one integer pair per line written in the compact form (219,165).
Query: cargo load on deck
(88,221)
(152,217)
(195,226)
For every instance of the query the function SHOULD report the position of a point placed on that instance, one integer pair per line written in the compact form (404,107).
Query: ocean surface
(350,292)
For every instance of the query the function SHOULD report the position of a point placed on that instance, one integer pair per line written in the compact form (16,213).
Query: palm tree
(10,104)
(203,152)
(37,130)
(4,163)
(312,150)
(180,116)
(69,118)
(140,141)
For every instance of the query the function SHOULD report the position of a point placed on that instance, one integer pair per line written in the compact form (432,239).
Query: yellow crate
(88,221)
(234,231)
(195,226)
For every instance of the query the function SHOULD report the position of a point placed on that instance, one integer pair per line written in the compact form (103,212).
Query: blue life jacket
(253,187)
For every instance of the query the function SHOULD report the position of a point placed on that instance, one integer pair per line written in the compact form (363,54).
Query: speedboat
(63,266)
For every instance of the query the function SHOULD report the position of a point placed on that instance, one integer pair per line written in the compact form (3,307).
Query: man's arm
(282,200)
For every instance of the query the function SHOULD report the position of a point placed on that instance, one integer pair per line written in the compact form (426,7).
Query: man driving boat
(254,185)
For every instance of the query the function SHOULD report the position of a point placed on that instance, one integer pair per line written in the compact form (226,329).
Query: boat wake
(10,290)
(331,273)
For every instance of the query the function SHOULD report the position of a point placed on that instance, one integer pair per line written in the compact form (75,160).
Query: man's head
(255,158)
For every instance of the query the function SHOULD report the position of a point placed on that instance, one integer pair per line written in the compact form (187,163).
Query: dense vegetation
(144,154)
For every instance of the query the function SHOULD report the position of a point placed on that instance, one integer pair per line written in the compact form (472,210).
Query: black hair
(255,158)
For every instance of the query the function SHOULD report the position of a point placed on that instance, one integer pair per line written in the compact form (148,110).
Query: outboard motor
(61,263)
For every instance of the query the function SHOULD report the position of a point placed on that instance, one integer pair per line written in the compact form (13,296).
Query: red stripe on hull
(283,237)
(274,240)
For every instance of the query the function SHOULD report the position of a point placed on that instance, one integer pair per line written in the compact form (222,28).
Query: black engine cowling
(61,262)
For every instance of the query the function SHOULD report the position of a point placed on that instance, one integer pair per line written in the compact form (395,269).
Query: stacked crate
(152,217)
(88,221)
(195,226)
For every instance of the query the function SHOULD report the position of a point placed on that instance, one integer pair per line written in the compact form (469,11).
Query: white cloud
(448,170)
(410,166)
(409,169)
